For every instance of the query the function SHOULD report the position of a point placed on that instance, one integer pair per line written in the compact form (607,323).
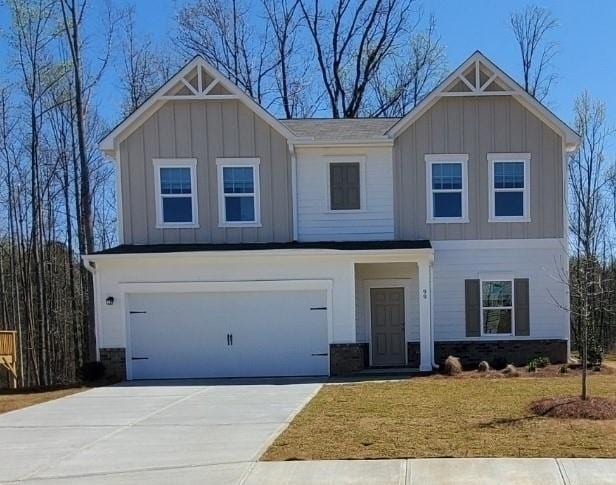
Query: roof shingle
(352,129)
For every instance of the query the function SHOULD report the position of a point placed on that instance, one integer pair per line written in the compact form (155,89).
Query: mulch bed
(552,370)
(573,407)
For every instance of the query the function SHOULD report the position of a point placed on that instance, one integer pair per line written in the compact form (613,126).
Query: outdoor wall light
(109,300)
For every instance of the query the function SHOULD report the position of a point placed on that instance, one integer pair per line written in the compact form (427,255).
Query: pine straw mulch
(573,407)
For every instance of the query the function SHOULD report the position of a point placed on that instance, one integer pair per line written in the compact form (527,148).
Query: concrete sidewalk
(438,471)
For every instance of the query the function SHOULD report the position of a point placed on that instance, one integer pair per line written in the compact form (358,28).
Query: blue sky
(586,34)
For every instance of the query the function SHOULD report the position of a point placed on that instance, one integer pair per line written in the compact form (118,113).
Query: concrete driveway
(154,432)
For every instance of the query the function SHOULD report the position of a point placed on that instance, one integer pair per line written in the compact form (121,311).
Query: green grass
(444,417)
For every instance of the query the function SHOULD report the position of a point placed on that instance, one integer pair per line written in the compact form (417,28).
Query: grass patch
(12,400)
(445,417)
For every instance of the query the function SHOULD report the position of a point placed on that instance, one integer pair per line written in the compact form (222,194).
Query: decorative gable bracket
(198,84)
(479,80)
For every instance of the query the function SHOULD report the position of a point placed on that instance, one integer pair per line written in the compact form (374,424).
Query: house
(253,246)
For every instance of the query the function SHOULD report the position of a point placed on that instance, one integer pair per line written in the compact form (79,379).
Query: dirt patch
(573,407)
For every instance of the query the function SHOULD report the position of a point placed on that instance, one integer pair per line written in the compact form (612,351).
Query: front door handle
(231,339)
(228,339)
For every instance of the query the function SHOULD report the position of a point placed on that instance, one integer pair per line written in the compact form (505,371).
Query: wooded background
(346,58)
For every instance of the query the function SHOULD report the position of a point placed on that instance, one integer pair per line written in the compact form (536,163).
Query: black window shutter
(472,298)
(521,306)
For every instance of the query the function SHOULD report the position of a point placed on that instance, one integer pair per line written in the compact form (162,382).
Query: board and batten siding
(374,221)
(477,126)
(205,130)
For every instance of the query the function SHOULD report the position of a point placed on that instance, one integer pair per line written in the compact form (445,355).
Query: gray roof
(340,129)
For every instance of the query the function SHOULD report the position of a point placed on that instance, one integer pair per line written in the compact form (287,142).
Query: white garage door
(234,334)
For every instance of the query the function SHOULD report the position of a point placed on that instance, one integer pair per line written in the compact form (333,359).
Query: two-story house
(253,246)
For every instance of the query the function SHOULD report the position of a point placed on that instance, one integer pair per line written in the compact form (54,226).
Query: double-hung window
(176,192)
(496,307)
(238,191)
(447,188)
(509,187)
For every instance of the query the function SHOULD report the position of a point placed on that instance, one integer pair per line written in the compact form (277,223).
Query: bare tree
(412,76)
(221,31)
(292,73)
(139,70)
(352,42)
(72,14)
(589,284)
(532,28)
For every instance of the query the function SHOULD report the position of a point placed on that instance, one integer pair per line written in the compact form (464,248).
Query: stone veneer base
(114,360)
(345,359)
(517,352)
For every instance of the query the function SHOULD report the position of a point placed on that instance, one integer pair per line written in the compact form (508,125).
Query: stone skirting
(345,359)
(114,360)
(414,354)
(517,352)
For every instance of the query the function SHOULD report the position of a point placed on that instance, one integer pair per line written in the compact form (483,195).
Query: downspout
(91,267)
(434,364)
(294,189)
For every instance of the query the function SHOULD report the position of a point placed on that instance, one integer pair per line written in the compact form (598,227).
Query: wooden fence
(8,354)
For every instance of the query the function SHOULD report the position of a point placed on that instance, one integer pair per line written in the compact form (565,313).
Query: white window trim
(509,157)
(431,159)
(239,162)
(490,280)
(190,163)
(362,183)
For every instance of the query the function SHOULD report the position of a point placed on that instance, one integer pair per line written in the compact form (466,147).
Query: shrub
(483,366)
(92,371)
(532,366)
(499,363)
(452,366)
(542,361)
(511,371)
(564,369)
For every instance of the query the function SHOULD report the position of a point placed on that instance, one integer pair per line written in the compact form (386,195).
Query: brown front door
(387,322)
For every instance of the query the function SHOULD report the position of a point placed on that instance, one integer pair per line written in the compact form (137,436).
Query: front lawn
(444,417)
(11,400)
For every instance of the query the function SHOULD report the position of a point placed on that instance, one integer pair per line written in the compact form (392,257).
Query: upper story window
(509,187)
(238,191)
(344,186)
(176,192)
(496,307)
(447,188)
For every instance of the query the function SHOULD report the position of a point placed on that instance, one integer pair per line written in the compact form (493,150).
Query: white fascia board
(378,255)
(375,142)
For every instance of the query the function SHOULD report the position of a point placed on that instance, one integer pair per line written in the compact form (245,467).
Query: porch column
(425,316)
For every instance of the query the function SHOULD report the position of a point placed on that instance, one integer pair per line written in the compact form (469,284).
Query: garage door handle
(231,339)
(139,358)
(320,355)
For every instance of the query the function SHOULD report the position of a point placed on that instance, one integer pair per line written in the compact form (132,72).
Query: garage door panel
(185,334)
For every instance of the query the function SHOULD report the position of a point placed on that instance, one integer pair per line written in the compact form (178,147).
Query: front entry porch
(393,324)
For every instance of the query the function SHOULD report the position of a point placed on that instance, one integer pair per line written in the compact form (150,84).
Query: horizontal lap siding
(478,126)
(205,131)
(317,223)
(543,268)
